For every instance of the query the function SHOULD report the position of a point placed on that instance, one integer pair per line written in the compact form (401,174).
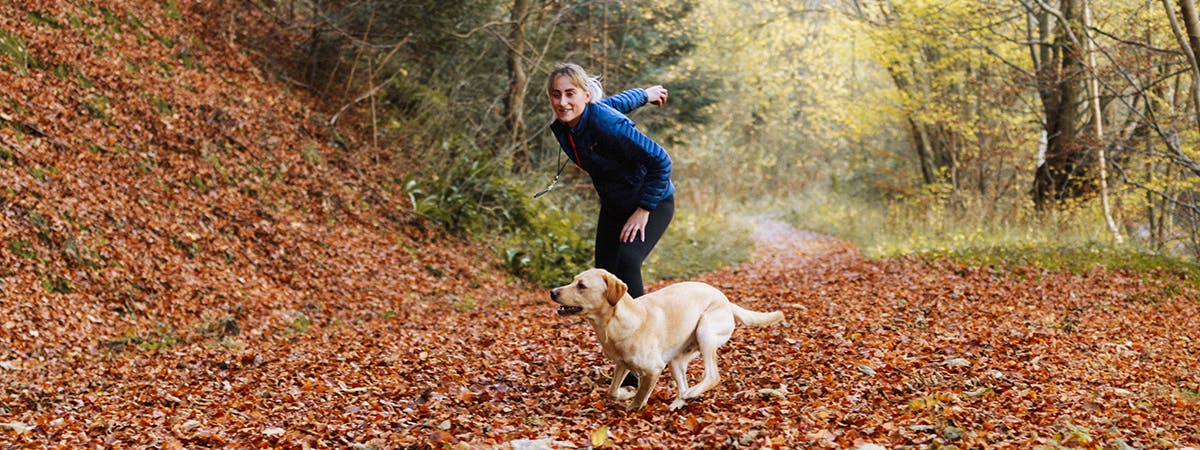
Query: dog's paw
(678,403)
(625,393)
(633,407)
(692,393)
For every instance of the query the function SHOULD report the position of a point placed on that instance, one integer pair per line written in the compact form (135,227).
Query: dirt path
(778,243)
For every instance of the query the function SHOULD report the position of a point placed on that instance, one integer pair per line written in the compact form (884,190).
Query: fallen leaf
(17,427)
(540,444)
(356,390)
(600,437)
(956,362)
(776,393)
(273,432)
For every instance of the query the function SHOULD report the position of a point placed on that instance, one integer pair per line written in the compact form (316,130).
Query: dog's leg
(615,390)
(679,374)
(646,382)
(713,331)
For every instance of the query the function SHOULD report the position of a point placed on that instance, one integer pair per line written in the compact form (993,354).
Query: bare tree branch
(1195,209)
(486,26)
(33,129)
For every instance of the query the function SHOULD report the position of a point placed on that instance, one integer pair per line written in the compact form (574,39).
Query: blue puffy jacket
(627,168)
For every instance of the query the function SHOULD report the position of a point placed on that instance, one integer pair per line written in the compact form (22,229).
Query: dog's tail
(755,318)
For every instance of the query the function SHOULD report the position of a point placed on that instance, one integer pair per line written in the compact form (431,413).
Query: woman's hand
(656,95)
(635,227)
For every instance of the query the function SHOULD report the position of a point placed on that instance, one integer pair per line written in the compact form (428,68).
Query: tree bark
(1098,121)
(514,106)
(1189,41)
(924,152)
(1063,175)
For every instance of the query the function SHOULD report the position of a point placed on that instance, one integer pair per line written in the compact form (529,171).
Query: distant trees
(1136,86)
(996,104)
(435,69)
(1114,83)
(957,88)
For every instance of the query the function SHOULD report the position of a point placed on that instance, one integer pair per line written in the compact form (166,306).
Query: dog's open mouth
(568,310)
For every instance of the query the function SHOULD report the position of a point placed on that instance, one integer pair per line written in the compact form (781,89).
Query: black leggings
(624,259)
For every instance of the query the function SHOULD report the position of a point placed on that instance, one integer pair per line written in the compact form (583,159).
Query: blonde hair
(579,78)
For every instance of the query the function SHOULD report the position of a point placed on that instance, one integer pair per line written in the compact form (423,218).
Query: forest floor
(899,353)
(192,257)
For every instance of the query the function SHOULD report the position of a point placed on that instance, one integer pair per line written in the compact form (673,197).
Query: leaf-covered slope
(156,183)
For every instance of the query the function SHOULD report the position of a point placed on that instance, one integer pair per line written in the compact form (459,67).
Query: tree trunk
(1189,42)
(514,106)
(1063,175)
(924,153)
(1098,121)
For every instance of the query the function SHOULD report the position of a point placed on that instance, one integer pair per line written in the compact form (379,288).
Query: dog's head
(591,290)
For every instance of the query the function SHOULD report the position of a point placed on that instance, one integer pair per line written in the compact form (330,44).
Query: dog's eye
(581,286)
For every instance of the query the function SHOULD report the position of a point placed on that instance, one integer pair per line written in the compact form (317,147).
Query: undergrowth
(1073,258)
(549,240)
(697,242)
(473,196)
(1073,240)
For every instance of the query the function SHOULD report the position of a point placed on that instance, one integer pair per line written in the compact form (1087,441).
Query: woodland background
(979,122)
(310,223)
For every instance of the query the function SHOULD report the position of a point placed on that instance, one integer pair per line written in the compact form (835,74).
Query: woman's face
(568,100)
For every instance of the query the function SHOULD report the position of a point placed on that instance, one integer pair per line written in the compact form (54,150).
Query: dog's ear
(616,289)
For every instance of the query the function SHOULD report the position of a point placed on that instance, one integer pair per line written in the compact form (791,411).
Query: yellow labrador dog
(668,327)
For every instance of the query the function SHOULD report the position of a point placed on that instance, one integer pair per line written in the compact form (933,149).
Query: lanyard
(578,162)
(554,182)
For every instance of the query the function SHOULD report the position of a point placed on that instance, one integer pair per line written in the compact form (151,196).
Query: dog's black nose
(554,294)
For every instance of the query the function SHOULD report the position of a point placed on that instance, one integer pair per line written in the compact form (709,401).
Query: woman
(631,173)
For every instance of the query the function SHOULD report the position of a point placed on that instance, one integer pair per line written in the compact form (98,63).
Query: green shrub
(1070,257)
(548,241)
(557,244)
(548,250)
(300,324)
(54,284)
(471,194)
(163,337)
(468,193)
